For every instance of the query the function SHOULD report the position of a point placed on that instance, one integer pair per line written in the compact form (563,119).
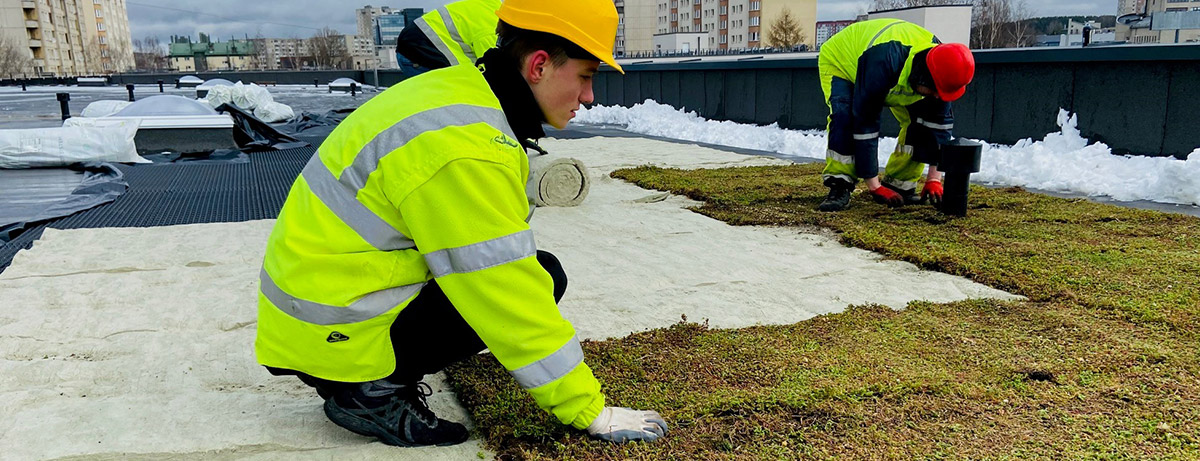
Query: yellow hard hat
(590,24)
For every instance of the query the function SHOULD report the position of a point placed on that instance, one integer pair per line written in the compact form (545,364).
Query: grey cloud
(830,10)
(300,18)
(241,18)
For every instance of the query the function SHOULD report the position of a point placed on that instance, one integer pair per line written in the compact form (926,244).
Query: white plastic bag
(246,97)
(274,112)
(218,95)
(250,97)
(103,108)
(80,140)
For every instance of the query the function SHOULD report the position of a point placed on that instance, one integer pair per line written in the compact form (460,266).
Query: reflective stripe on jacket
(461,31)
(876,56)
(424,181)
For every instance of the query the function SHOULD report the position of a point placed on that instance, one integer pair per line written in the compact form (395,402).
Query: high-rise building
(826,29)
(637,26)
(366,18)
(1125,7)
(281,53)
(728,24)
(388,26)
(68,37)
(1163,21)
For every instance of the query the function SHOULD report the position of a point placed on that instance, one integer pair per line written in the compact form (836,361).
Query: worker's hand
(887,197)
(620,425)
(932,192)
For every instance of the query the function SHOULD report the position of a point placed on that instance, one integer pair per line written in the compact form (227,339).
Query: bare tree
(120,57)
(328,49)
(1000,24)
(1022,29)
(148,54)
(93,58)
(785,32)
(14,60)
(262,55)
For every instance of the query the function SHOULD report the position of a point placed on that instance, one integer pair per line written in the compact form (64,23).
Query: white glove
(620,425)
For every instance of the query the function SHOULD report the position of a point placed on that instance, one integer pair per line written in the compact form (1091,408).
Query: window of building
(725,24)
(724,38)
(755,6)
(99,13)
(724,9)
(754,21)
(100,26)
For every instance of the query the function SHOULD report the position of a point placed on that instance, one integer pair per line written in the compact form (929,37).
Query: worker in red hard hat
(898,64)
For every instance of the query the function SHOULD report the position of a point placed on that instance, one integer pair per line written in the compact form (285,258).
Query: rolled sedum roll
(558,182)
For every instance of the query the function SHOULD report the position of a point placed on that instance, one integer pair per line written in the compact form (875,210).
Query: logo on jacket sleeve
(336,337)
(502,139)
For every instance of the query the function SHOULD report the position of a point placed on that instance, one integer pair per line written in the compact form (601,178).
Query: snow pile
(1065,161)
(1062,161)
(662,120)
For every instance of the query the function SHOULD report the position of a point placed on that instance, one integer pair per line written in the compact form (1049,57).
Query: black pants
(429,335)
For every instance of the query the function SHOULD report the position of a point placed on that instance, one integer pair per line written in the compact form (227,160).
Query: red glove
(932,192)
(887,197)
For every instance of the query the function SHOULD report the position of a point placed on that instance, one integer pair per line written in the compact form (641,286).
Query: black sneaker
(396,414)
(839,196)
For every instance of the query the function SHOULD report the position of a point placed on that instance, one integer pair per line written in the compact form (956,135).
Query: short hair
(517,43)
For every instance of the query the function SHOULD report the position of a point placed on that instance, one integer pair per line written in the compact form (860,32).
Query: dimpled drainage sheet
(174,194)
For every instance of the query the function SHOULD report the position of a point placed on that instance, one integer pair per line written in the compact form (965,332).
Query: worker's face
(560,90)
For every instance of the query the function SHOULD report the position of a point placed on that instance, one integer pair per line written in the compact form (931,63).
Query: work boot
(397,414)
(839,195)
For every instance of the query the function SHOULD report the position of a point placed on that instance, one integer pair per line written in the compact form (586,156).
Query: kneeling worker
(898,64)
(403,245)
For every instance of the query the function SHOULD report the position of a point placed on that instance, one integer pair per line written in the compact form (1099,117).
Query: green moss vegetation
(1101,362)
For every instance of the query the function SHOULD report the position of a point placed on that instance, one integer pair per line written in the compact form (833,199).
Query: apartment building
(729,24)
(826,29)
(1161,21)
(69,37)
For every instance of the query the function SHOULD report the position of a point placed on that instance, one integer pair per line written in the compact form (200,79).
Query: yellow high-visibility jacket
(461,31)
(424,181)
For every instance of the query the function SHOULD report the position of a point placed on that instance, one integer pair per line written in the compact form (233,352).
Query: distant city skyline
(225,19)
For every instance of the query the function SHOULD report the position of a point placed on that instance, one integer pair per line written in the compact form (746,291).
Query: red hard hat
(952,67)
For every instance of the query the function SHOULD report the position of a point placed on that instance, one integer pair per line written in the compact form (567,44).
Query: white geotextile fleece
(138,342)
(79,140)
(1062,161)
(557,181)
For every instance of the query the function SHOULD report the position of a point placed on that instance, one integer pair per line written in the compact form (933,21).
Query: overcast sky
(301,18)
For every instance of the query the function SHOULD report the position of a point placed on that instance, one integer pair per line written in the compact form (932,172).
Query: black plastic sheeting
(314,127)
(187,193)
(252,134)
(31,196)
(216,156)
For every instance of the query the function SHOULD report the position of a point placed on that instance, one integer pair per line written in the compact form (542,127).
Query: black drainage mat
(169,195)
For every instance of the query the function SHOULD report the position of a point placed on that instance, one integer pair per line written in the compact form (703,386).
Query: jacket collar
(520,107)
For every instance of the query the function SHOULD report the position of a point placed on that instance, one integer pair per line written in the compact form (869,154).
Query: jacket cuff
(589,413)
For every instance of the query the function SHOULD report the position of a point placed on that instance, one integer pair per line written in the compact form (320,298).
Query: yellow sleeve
(468,220)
